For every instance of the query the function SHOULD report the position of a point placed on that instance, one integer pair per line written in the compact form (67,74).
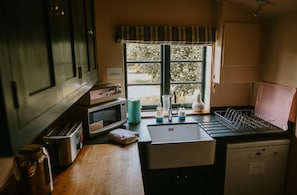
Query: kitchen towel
(273,103)
(123,136)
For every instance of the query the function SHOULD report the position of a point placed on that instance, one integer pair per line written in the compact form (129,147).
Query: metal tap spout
(170,112)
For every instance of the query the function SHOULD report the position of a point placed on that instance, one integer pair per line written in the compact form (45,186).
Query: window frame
(165,82)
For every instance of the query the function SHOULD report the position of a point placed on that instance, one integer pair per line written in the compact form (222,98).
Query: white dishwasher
(256,168)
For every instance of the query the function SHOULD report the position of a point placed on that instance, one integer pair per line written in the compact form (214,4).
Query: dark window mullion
(143,62)
(142,84)
(186,82)
(176,61)
(166,69)
(126,71)
(202,91)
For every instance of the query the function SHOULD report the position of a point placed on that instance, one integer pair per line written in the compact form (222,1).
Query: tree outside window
(154,70)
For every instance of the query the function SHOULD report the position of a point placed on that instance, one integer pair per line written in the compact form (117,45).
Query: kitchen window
(153,70)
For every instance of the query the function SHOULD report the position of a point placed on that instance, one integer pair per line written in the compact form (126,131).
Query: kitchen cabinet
(240,53)
(62,34)
(29,56)
(84,39)
(186,180)
(181,180)
(40,68)
(91,46)
(80,38)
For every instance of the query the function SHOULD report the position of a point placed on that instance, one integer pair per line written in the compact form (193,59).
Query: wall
(279,60)
(280,52)
(280,66)
(112,13)
(229,92)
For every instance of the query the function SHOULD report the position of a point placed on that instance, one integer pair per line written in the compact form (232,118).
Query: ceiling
(271,8)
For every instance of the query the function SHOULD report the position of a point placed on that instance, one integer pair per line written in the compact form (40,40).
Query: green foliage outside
(186,66)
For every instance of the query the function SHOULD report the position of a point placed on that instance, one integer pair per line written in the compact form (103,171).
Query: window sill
(189,112)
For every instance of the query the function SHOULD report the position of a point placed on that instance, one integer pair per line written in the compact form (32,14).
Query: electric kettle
(33,170)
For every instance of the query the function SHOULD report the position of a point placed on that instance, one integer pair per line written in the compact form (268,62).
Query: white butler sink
(179,145)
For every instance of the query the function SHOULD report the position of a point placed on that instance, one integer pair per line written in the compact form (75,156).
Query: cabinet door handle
(56,8)
(15,95)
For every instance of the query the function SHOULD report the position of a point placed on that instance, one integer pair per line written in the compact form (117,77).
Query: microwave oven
(103,117)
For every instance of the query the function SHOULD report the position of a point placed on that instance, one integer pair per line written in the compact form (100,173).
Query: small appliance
(64,142)
(100,93)
(102,117)
(33,170)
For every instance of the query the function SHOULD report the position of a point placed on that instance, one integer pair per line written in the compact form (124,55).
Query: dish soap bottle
(181,113)
(159,114)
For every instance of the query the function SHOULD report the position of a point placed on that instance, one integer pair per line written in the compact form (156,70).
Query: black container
(33,170)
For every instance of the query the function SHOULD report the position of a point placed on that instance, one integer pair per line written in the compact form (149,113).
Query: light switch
(114,73)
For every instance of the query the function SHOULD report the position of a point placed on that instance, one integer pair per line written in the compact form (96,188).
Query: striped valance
(166,34)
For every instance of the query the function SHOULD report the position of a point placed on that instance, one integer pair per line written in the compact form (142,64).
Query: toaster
(64,142)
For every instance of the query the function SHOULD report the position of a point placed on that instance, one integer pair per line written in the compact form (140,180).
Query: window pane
(185,93)
(147,94)
(143,52)
(140,73)
(186,52)
(186,71)
(144,65)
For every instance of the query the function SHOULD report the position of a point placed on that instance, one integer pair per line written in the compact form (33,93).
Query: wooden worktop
(102,169)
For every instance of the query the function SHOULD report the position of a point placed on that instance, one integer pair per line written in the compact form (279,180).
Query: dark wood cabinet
(80,35)
(186,180)
(41,61)
(30,59)
(181,180)
(90,21)
(84,39)
(62,32)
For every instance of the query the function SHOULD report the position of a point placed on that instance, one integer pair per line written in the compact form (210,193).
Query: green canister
(134,114)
